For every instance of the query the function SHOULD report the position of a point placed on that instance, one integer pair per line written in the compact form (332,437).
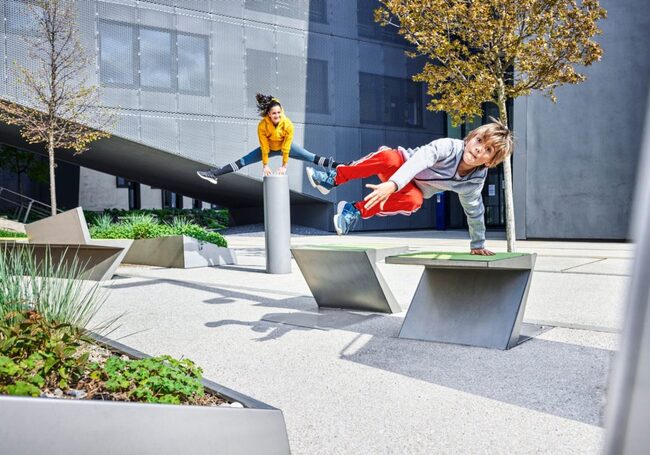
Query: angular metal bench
(95,262)
(65,235)
(468,299)
(347,277)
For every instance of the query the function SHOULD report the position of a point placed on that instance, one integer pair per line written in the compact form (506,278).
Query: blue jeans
(296,152)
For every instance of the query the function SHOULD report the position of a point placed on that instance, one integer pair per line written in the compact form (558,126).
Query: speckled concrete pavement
(348,385)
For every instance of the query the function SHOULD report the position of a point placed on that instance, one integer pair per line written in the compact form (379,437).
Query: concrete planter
(77,427)
(178,251)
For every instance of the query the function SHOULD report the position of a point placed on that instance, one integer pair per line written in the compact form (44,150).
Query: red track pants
(382,163)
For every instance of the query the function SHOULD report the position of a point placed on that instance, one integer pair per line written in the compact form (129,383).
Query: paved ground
(348,385)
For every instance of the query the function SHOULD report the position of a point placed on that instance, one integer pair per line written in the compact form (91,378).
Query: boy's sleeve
(474,210)
(264,143)
(286,143)
(425,157)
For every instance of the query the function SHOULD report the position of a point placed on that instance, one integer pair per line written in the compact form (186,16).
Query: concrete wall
(98,191)
(575,162)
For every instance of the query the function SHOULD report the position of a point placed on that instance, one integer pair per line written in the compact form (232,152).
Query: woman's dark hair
(265,103)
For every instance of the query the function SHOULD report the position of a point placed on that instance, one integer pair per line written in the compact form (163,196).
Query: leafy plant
(38,354)
(4,233)
(160,379)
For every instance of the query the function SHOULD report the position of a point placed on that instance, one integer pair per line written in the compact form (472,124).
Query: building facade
(182,76)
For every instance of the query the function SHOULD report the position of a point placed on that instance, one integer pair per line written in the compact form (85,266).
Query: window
(388,100)
(192,63)
(116,54)
(368,28)
(20,19)
(153,59)
(317,86)
(171,200)
(121,182)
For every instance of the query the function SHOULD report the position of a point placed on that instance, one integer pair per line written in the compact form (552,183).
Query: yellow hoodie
(275,137)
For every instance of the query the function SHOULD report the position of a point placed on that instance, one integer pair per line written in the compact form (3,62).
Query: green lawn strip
(450,256)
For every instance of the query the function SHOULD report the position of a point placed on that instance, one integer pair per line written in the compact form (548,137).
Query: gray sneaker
(210,175)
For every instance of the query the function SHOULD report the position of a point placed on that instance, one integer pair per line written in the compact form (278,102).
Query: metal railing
(23,206)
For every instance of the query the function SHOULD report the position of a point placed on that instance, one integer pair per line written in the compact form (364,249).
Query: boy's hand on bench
(482,252)
(379,194)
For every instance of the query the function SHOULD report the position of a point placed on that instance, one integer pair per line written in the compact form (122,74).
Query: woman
(275,132)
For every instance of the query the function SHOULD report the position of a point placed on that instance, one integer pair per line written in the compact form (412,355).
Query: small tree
(57,106)
(482,51)
(21,162)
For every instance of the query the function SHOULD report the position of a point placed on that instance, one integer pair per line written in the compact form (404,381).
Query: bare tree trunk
(50,150)
(507,175)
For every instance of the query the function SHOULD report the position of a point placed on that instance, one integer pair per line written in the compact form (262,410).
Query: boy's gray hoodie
(434,168)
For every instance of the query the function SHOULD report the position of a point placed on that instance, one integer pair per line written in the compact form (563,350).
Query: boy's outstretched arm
(474,210)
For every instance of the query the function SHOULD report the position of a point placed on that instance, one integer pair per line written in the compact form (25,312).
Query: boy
(410,175)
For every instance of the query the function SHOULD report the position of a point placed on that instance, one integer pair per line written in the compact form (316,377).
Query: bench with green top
(347,277)
(468,299)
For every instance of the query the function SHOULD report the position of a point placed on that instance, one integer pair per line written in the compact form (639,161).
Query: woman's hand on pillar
(267,170)
(281,170)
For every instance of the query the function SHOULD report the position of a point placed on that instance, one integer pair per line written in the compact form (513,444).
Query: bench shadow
(562,379)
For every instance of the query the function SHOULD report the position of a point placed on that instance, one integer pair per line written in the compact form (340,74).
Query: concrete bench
(347,277)
(66,236)
(467,299)
(95,262)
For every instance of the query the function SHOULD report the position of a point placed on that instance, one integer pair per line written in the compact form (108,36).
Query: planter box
(178,251)
(76,427)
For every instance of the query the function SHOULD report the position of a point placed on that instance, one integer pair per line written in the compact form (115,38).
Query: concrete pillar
(277,224)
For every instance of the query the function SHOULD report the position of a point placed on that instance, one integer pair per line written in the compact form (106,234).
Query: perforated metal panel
(261,75)
(155,15)
(160,132)
(196,139)
(232,8)
(128,126)
(231,140)
(346,81)
(117,11)
(228,57)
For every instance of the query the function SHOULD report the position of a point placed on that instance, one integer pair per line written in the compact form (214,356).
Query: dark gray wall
(575,162)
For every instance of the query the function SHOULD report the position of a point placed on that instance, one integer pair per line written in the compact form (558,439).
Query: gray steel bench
(466,299)
(347,277)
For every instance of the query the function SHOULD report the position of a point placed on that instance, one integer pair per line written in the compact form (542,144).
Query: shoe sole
(310,177)
(211,180)
(339,211)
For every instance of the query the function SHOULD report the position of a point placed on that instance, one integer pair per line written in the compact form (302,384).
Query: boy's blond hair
(497,135)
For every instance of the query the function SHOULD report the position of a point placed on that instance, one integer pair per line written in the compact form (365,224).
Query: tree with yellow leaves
(54,103)
(481,51)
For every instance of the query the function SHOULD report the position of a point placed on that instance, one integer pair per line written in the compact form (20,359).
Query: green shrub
(144,226)
(4,233)
(208,218)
